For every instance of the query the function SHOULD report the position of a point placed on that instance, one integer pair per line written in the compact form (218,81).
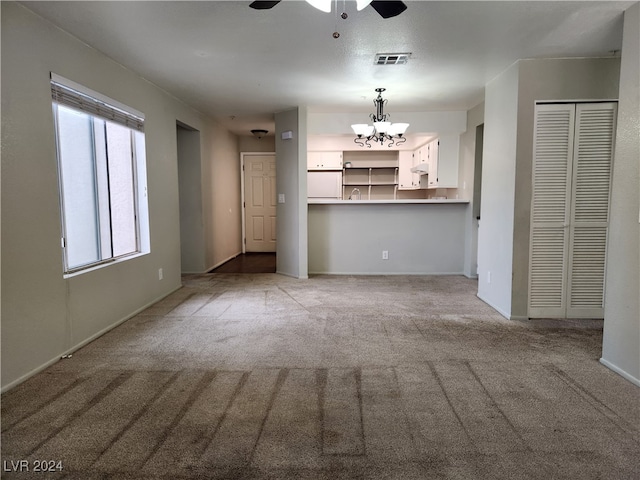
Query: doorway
(258,202)
(192,249)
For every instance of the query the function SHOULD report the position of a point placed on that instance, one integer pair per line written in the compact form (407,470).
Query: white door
(589,221)
(572,158)
(260,203)
(550,206)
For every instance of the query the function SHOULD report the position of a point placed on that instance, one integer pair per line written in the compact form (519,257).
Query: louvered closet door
(593,152)
(550,207)
(572,159)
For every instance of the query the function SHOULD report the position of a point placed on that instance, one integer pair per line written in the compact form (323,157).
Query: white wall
(291,181)
(495,234)
(467,173)
(420,238)
(44,315)
(221,195)
(192,250)
(503,239)
(320,123)
(248,143)
(621,337)
(327,143)
(547,79)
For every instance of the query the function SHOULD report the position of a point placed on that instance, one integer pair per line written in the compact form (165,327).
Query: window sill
(104,265)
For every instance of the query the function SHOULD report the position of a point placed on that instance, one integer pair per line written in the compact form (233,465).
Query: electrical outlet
(160,274)
(385,254)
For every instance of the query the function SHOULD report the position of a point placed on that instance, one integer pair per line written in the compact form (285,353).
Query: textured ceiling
(241,65)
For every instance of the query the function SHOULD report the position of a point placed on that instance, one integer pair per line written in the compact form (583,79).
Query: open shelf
(374,183)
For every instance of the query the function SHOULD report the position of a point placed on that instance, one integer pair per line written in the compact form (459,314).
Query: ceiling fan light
(360,4)
(323,5)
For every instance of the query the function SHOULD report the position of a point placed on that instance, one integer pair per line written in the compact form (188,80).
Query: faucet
(355,191)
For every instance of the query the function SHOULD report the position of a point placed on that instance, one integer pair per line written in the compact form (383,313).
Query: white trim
(208,269)
(84,342)
(584,100)
(497,309)
(390,274)
(299,277)
(92,93)
(620,372)
(105,264)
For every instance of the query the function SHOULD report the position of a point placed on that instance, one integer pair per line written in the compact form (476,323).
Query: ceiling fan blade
(263,5)
(388,9)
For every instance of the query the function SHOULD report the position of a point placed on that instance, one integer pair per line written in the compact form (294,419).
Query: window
(102,177)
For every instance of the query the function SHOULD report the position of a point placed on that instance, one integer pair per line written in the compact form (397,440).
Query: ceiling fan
(386,9)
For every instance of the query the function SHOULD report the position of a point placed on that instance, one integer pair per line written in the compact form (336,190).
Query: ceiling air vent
(391,58)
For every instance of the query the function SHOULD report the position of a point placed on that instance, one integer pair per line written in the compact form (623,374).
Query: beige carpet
(240,376)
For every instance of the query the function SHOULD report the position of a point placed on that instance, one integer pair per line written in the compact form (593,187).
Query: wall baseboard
(620,372)
(287,274)
(506,315)
(78,346)
(364,274)
(219,263)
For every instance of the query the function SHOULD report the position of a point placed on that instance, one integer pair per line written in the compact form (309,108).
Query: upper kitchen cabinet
(324,160)
(443,162)
(408,180)
(432,160)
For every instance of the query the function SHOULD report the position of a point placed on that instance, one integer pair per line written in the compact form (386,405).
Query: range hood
(422,169)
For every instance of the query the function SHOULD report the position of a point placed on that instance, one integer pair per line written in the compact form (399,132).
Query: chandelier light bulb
(381,130)
(360,4)
(323,5)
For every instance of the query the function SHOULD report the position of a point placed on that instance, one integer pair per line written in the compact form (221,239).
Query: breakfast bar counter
(368,237)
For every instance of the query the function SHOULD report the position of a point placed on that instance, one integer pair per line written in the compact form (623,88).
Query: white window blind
(102,177)
(67,93)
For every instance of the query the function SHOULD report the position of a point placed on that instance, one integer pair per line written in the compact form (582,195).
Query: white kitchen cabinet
(324,184)
(432,161)
(443,162)
(324,160)
(408,180)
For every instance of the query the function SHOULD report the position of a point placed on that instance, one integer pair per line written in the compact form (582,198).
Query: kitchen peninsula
(369,213)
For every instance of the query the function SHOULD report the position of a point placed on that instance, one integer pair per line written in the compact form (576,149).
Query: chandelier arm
(358,141)
(367,142)
(401,140)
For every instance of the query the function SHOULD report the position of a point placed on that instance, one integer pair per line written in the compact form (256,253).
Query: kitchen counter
(370,237)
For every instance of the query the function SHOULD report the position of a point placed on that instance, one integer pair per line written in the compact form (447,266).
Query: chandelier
(381,130)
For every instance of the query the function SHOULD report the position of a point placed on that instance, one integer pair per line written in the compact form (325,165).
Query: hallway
(263,376)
